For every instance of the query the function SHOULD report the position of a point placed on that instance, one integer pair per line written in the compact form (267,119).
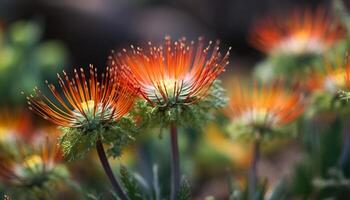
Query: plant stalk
(253,174)
(175,163)
(107,168)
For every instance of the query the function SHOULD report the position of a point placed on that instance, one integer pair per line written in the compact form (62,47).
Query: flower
(174,73)
(89,110)
(86,101)
(331,78)
(266,107)
(301,32)
(15,124)
(36,164)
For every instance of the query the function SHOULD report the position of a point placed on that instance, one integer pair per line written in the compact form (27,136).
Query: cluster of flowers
(175,84)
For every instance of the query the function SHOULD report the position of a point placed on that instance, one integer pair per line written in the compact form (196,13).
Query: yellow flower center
(173,90)
(335,81)
(33,161)
(88,106)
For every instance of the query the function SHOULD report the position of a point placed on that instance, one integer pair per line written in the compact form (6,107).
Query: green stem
(108,170)
(175,163)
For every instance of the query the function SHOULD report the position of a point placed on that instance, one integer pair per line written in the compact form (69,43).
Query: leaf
(131,186)
(184,191)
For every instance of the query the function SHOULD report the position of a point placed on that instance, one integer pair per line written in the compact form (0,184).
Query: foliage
(26,59)
(183,115)
(76,142)
(286,66)
(184,192)
(130,184)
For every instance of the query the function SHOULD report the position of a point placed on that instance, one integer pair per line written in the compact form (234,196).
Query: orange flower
(85,100)
(265,106)
(173,73)
(332,78)
(32,164)
(15,124)
(300,32)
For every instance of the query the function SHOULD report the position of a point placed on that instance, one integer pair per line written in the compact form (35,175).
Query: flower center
(300,43)
(168,91)
(88,105)
(33,162)
(259,117)
(93,114)
(334,82)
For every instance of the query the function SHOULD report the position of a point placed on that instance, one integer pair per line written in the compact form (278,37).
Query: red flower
(176,72)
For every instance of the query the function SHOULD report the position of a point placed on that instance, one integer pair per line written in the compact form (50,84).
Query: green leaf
(131,185)
(184,191)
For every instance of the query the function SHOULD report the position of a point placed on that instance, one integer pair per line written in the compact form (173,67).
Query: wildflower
(87,110)
(176,79)
(36,166)
(14,125)
(172,75)
(331,78)
(90,112)
(263,109)
(86,102)
(301,32)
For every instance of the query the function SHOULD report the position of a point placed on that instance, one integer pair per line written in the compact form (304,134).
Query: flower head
(301,32)
(331,78)
(36,164)
(87,109)
(86,100)
(265,107)
(173,73)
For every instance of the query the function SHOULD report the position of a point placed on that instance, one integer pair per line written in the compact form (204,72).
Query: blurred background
(90,29)
(40,38)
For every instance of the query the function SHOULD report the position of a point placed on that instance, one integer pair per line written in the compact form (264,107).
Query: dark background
(91,28)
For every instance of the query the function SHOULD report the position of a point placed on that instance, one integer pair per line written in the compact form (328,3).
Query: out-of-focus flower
(172,75)
(35,169)
(260,110)
(331,78)
(301,32)
(15,124)
(88,109)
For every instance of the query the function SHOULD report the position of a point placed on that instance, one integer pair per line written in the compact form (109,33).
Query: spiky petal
(302,31)
(84,99)
(266,106)
(175,72)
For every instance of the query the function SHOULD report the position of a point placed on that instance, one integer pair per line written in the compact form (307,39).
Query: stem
(175,163)
(345,150)
(104,161)
(253,175)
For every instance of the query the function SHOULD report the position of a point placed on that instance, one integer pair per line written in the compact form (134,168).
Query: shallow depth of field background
(82,32)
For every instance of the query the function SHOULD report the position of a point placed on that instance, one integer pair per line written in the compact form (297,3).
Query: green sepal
(77,142)
(246,132)
(194,115)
